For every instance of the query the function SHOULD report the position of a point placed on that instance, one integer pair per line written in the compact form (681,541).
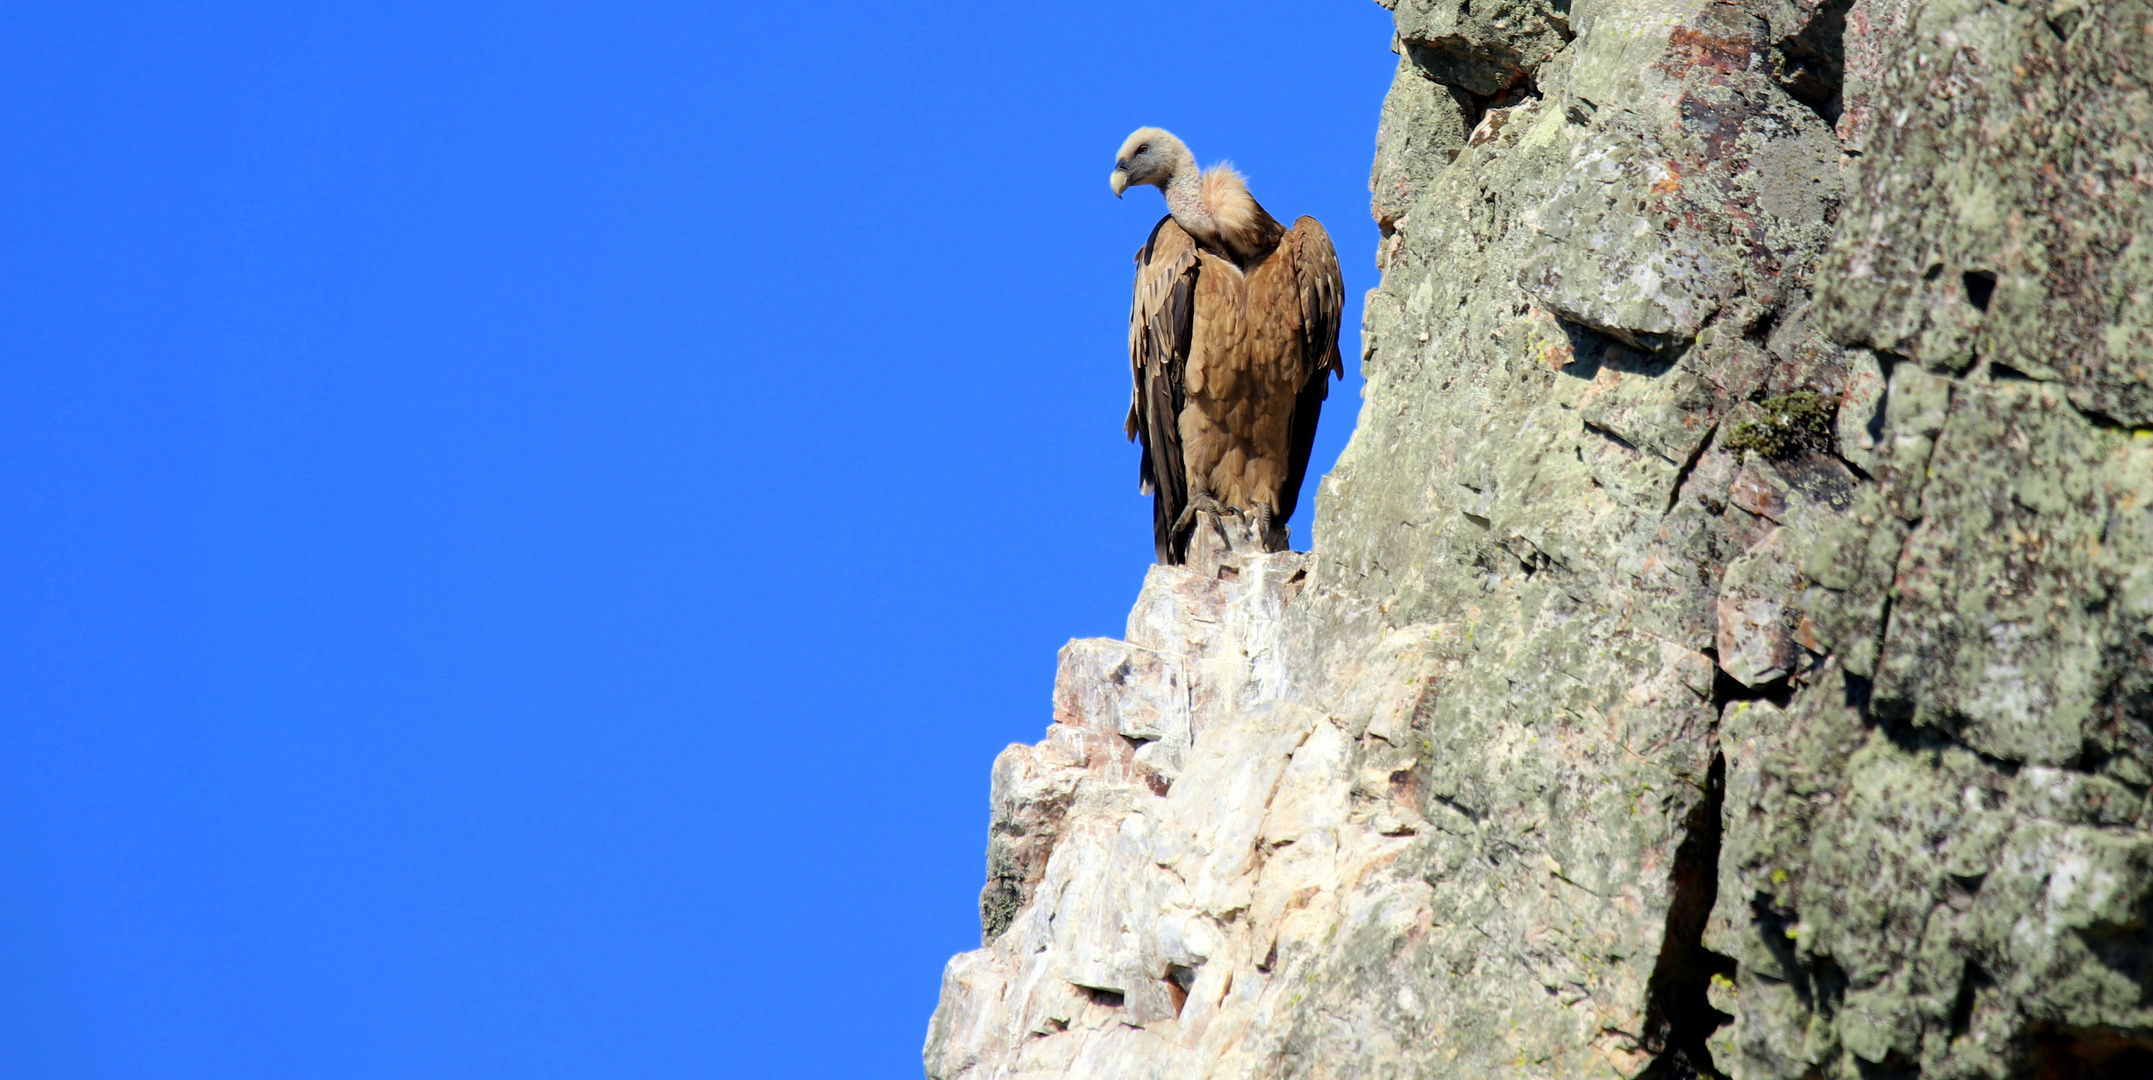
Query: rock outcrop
(1727,643)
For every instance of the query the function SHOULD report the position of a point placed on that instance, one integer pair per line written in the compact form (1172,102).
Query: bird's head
(1148,156)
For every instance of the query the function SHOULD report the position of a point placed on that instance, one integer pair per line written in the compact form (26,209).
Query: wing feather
(1160,315)
(1322,291)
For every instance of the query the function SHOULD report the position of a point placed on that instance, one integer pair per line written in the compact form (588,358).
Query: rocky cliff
(1727,643)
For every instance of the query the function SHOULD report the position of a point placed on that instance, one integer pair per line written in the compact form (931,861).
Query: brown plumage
(1232,331)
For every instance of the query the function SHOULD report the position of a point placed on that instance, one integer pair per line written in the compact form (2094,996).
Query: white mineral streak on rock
(1210,828)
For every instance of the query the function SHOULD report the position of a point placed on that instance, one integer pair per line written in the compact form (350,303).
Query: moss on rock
(1783,425)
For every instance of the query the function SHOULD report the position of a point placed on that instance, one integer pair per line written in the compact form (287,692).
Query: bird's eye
(1143,148)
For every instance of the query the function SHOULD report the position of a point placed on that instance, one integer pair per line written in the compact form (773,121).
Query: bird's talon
(1199,502)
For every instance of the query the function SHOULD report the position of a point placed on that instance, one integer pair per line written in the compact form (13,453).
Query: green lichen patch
(1780,426)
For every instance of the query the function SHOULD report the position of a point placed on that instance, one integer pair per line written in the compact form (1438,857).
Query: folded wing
(1322,294)
(1160,317)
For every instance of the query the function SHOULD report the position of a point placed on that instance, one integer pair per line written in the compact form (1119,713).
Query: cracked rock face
(1727,645)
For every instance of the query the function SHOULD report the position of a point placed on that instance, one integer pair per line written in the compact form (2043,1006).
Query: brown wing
(1323,292)
(1159,320)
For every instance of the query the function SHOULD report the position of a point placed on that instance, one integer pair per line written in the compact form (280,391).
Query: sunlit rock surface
(1727,644)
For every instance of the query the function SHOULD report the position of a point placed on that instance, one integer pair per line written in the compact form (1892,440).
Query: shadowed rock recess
(1727,648)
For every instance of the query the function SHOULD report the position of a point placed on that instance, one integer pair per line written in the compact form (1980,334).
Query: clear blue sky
(526,525)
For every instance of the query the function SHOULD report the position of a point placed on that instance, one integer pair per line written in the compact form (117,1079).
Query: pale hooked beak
(1119,181)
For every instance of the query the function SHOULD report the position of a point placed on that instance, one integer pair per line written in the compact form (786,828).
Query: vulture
(1232,332)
